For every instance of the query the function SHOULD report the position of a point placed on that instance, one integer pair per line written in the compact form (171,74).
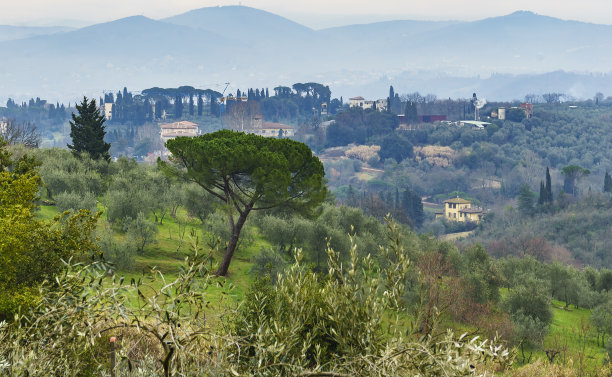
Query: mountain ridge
(256,48)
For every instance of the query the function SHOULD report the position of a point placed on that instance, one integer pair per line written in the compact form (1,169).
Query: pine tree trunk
(231,246)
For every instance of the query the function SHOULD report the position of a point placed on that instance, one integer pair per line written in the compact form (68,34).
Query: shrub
(140,232)
(73,201)
(268,263)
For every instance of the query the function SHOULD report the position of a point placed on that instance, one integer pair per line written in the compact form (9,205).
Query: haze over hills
(502,57)
(8,33)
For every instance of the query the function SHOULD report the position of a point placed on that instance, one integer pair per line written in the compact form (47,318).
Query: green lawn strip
(565,329)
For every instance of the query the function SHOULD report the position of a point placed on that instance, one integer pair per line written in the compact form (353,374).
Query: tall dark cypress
(200,105)
(607,183)
(191,106)
(543,198)
(549,195)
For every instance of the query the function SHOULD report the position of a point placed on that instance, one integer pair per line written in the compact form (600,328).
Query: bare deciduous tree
(19,133)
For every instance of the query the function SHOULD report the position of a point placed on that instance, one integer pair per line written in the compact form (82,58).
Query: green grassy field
(570,330)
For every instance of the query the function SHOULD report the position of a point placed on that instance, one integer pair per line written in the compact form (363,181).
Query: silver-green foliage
(119,252)
(140,231)
(73,201)
(350,321)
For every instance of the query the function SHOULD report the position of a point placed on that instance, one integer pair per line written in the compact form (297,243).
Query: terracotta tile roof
(457,201)
(360,98)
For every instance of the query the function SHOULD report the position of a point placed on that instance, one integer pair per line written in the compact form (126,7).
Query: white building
(380,104)
(182,128)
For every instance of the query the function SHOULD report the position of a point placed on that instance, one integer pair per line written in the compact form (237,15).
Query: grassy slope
(168,254)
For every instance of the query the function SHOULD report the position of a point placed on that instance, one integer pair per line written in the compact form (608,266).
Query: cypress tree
(542,199)
(549,195)
(607,183)
(413,206)
(178,107)
(410,113)
(525,200)
(200,105)
(191,106)
(87,131)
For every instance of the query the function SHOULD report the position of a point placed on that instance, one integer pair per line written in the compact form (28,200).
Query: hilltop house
(182,128)
(269,129)
(461,210)
(380,104)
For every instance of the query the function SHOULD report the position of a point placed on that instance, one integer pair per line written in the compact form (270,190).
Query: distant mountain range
(501,58)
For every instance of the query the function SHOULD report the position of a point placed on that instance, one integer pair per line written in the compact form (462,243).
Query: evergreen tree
(391,99)
(572,174)
(525,200)
(191,106)
(178,107)
(413,206)
(410,113)
(549,195)
(607,183)
(542,199)
(200,105)
(87,131)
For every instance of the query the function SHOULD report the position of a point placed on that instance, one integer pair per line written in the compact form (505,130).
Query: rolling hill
(502,56)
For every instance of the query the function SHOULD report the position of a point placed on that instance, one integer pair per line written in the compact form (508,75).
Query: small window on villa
(454,215)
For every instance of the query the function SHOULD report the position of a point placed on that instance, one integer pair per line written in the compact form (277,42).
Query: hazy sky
(313,13)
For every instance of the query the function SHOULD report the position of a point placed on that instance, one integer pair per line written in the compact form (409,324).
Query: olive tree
(247,173)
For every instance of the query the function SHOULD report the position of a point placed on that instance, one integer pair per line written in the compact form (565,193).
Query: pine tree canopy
(87,131)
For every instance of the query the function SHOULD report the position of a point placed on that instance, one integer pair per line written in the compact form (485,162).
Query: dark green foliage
(267,265)
(178,107)
(481,275)
(530,298)
(356,126)
(607,183)
(515,115)
(413,206)
(525,200)
(396,147)
(548,187)
(579,232)
(542,197)
(191,106)
(250,172)
(87,131)
(200,105)
(572,175)
(410,113)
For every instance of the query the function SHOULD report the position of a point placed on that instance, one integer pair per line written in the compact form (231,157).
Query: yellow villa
(458,209)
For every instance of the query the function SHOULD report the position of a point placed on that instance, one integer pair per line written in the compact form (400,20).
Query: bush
(140,232)
(268,263)
(334,322)
(73,201)
(121,254)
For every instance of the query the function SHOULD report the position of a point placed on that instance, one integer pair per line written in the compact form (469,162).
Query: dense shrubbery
(335,323)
